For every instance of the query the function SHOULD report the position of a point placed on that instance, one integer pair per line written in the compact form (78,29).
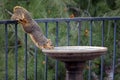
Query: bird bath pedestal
(74,58)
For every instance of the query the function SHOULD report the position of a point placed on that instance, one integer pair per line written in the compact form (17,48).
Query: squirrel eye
(20,19)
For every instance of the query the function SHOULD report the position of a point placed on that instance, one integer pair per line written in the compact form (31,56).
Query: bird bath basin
(74,58)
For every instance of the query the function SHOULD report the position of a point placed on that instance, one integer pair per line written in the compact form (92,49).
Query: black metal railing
(57,21)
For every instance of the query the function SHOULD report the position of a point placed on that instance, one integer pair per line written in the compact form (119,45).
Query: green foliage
(53,9)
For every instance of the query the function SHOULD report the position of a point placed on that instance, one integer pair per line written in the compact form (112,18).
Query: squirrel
(31,27)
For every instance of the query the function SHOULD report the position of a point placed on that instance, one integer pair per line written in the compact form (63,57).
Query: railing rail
(67,19)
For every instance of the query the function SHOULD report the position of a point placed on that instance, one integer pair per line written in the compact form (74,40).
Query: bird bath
(74,58)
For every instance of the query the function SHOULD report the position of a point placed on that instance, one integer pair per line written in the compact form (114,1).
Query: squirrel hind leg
(48,45)
(41,47)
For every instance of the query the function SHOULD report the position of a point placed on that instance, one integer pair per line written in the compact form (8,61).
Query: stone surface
(74,58)
(75,53)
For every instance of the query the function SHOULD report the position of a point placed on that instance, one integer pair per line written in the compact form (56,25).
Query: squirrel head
(21,15)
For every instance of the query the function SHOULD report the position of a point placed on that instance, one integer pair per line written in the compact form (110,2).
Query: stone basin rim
(75,49)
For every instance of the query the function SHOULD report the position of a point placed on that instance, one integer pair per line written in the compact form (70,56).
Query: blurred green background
(59,9)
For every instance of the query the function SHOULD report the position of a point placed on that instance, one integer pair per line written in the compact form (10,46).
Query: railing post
(79,32)
(114,49)
(6,52)
(102,57)
(90,62)
(68,33)
(25,56)
(46,58)
(56,62)
(16,53)
(35,63)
